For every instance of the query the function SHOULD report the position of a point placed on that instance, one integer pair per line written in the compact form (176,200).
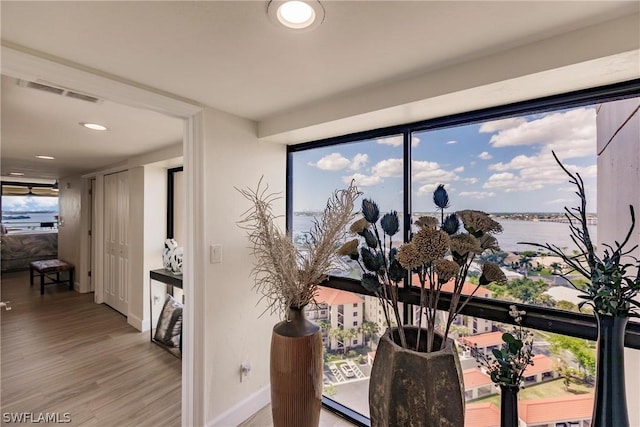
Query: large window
(29,207)
(499,161)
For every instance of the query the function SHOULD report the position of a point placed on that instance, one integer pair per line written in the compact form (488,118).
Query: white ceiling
(229,55)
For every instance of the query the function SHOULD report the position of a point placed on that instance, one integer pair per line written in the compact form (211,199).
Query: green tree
(527,290)
(494,257)
(566,305)
(582,350)
(556,267)
(339,335)
(369,330)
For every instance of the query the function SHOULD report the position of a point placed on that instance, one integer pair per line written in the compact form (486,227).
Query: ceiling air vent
(59,91)
(39,86)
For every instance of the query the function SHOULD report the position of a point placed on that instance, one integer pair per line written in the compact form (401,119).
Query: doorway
(24,65)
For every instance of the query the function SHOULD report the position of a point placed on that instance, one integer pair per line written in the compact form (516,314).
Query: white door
(116,238)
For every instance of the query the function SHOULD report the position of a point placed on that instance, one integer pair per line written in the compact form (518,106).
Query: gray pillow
(169,328)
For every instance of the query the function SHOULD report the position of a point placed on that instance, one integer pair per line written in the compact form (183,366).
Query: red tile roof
(482,415)
(555,409)
(483,340)
(336,297)
(467,289)
(474,377)
(541,363)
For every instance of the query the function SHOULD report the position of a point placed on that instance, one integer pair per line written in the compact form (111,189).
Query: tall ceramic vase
(610,404)
(296,372)
(414,388)
(509,406)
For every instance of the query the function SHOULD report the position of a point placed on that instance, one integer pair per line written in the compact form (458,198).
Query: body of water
(515,231)
(34,217)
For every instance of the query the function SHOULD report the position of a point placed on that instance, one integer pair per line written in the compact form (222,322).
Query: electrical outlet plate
(215,254)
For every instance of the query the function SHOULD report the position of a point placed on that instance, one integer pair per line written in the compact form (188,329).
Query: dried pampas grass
(287,275)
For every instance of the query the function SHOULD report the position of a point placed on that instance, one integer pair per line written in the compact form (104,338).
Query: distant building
(482,415)
(543,369)
(477,384)
(570,411)
(341,310)
(484,342)
(473,325)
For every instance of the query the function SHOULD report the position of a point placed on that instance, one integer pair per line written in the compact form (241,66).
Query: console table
(171,280)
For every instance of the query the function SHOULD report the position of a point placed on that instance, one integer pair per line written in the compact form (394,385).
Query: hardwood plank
(61,352)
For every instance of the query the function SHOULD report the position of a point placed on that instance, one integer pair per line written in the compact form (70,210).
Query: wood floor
(63,353)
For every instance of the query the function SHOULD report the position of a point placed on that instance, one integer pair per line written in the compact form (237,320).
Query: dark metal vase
(509,406)
(411,388)
(296,372)
(610,403)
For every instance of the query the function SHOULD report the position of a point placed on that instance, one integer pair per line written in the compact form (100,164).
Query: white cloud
(472,180)
(332,162)
(459,169)
(396,141)
(477,194)
(485,156)
(451,142)
(362,180)
(359,160)
(388,168)
(336,161)
(572,132)
(427,189)
(497,125)
(426,172)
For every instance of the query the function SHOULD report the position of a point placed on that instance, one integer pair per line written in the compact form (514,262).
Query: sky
(498,166)
(29,203)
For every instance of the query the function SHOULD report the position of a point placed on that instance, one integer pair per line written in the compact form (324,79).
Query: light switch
(215,254)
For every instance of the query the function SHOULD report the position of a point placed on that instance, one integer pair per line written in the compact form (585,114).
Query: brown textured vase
(412,388)
(296,372)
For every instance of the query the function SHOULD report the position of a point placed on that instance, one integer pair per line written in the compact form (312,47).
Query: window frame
(171,199)
(541,318)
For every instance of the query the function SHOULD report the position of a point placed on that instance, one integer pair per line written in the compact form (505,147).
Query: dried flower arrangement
(506,365)
(285,274)
(439,252)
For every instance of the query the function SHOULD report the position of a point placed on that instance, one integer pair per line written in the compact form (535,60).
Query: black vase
(610,403)
(509,406)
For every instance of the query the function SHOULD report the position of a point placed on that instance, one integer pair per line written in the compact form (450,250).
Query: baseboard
(138,323)
(243,410)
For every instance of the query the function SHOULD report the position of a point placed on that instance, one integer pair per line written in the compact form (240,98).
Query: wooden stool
(48,266)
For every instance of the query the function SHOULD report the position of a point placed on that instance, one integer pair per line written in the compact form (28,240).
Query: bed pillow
(169,328)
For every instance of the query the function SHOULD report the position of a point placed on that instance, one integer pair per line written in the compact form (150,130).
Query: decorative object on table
(506,366)
(611,291)
(169,246)
(169,328)
(288,276)
(175,260)
(416,377)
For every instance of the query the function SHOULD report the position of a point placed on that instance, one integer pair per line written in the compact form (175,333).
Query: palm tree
(369,329)
(339,335)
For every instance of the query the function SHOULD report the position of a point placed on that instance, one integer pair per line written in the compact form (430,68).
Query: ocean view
(514,231)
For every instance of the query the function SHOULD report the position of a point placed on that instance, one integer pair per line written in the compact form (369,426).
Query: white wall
(234,331)
(618,177)
(148,219)
(69,228)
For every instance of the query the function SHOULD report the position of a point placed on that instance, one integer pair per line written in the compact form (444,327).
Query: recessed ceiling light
(16,174)
(296,14)
(93,126)
(46,157)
